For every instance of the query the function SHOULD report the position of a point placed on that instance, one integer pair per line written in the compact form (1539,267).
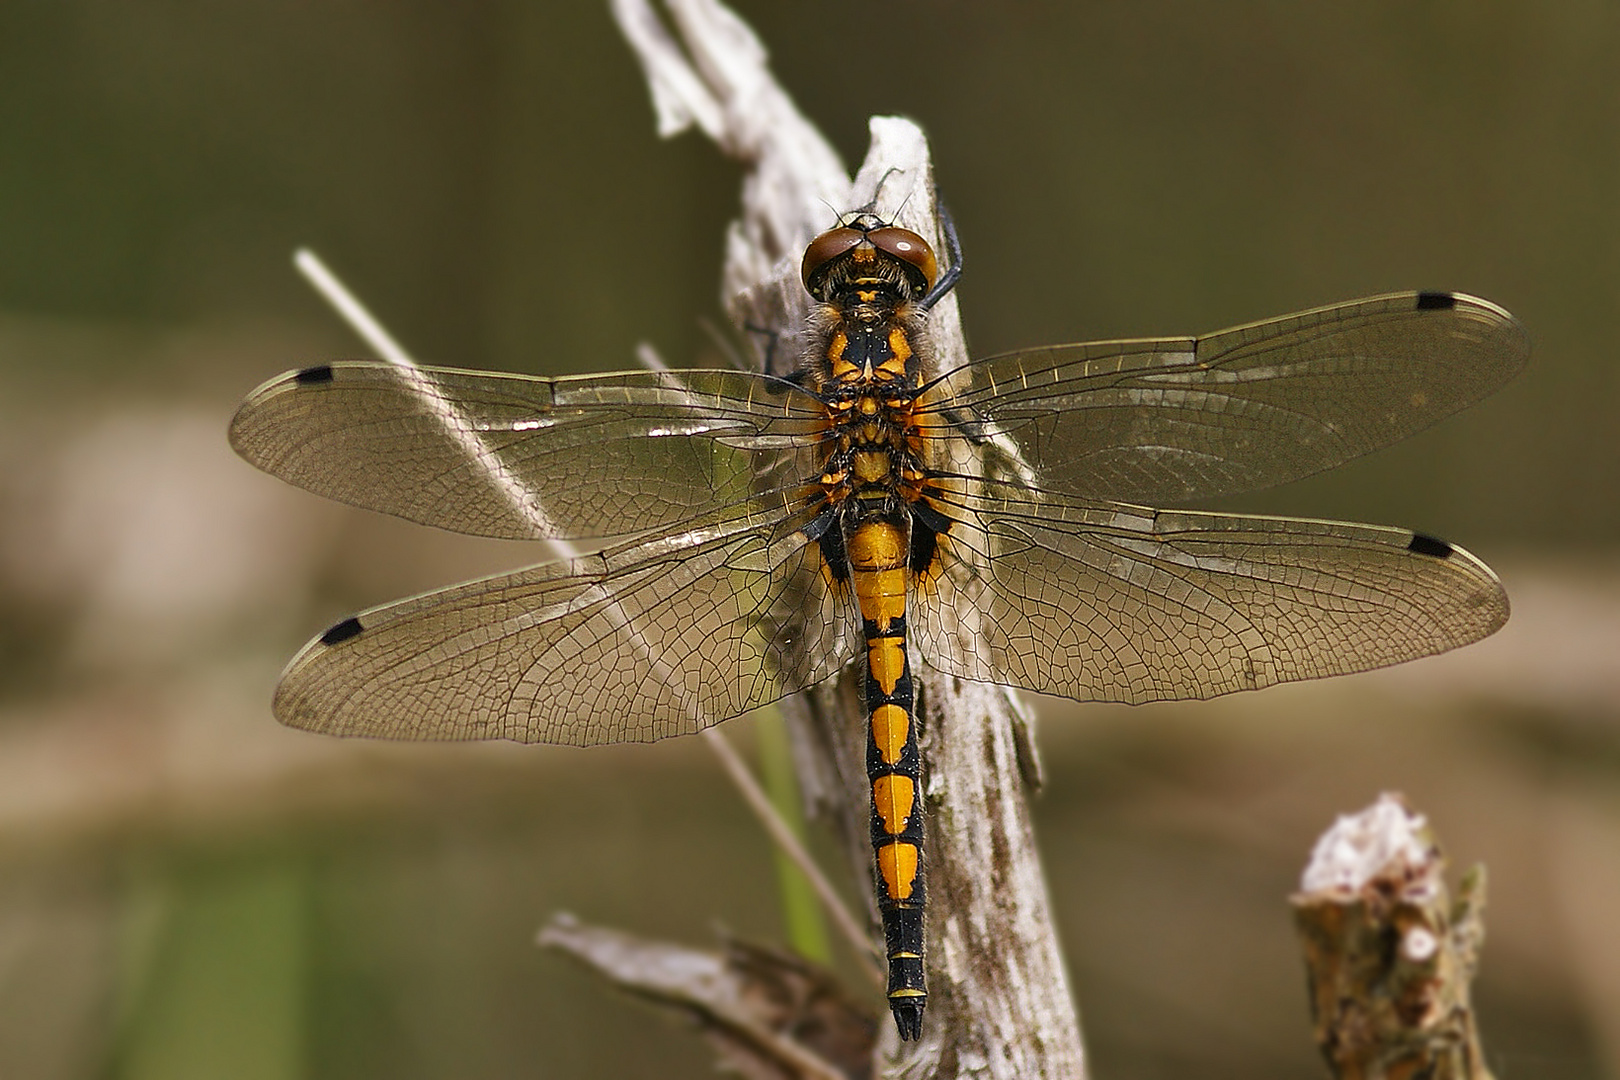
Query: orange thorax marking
(895,366)
(871,466)
(841,369)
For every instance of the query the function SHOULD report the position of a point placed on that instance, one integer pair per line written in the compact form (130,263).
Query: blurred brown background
(188,890)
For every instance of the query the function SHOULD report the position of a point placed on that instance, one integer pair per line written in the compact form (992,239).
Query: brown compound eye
(909,248)
(823,250)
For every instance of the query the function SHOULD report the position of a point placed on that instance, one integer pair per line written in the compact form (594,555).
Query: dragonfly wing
(1107,602)
(642,641)
(522,457)
(1174,419)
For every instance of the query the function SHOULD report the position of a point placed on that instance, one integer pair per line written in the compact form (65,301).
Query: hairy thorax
(868,362)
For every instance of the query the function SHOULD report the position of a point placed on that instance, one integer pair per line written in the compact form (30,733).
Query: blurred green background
(188,890)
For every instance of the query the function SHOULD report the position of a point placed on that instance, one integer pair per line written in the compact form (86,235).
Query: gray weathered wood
(999,1002)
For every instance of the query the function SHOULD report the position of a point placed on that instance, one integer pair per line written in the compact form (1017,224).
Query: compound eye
(909,248)
(823,250)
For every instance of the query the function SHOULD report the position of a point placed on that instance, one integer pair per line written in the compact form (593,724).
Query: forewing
(521,457)
(1125,604)
(640,642)
(1175,419)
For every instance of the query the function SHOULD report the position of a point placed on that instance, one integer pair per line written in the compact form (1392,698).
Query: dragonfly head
(860,249)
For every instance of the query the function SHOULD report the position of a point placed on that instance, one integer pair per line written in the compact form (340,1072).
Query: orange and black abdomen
(879,555)
(878,532)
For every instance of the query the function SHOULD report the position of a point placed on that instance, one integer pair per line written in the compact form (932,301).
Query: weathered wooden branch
(768,1015)
(1390,954)
(1000,1004)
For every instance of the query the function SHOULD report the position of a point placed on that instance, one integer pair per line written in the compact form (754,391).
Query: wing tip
(1487,604)
(1477,308)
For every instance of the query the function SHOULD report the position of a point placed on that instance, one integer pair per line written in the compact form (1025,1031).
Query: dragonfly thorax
(868,329)
(866,362)
(871,458)
(870,346)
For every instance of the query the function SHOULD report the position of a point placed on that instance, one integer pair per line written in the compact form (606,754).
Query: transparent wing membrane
(1170,420)
(1048,578)
(655,638)
(1109,602)
(521,457)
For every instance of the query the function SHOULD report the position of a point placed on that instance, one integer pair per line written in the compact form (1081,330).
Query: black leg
(953,258)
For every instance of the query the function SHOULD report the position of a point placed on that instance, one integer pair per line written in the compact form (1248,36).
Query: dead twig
(769,1015)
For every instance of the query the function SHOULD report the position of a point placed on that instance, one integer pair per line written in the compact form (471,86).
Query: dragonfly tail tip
(908,1019)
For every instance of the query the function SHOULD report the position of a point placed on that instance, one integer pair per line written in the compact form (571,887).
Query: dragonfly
(1000,521)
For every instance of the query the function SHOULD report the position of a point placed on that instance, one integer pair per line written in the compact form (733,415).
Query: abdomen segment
(877,552)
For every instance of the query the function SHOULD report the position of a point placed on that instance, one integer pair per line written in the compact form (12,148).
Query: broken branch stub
(1390,955)
(768,1015)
